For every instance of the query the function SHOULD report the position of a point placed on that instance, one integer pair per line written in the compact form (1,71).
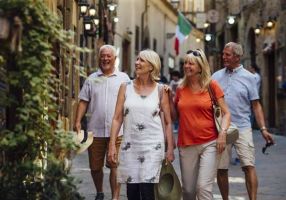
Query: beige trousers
(198,168)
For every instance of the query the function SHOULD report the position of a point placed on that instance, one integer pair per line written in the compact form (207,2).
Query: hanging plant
(31,134)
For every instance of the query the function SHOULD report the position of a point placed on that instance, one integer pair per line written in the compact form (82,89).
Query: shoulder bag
(232,133)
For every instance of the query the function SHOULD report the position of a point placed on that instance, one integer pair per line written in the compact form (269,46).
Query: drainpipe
(142,22)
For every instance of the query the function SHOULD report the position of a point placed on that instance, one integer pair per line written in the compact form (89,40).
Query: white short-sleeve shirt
(101,93)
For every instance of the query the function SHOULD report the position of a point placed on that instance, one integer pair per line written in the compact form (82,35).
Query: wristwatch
(263,128)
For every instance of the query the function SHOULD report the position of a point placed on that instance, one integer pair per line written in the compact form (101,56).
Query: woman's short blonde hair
(153,58)
(199,57)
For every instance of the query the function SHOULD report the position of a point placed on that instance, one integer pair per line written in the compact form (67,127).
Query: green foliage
(30,167)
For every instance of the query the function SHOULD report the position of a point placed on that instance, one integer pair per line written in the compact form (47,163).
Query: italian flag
(183,29)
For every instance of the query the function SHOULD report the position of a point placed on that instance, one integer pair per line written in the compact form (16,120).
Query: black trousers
(140,191)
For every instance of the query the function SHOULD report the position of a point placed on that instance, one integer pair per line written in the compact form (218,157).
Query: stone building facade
(150,24)
(67,11)
(142,24)
(69,72)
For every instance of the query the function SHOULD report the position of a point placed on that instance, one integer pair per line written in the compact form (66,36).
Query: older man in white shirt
(97,99)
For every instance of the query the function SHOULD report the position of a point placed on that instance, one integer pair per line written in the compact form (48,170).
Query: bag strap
(160,93)
(211,93)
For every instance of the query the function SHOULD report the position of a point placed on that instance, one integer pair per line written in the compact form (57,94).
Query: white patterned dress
(142,148)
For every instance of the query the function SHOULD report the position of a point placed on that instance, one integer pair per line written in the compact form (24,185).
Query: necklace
(196,88)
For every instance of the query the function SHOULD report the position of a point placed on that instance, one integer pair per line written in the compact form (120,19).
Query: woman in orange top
(199,142)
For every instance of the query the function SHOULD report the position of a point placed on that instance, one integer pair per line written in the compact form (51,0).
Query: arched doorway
(251,45)
(270,67)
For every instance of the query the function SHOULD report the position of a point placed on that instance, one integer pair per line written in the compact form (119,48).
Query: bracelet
(223,130)
(263,128)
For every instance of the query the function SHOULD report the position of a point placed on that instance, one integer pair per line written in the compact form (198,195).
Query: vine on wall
(29,141)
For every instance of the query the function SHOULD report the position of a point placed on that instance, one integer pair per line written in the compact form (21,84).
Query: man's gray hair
(236,48)
(108,46)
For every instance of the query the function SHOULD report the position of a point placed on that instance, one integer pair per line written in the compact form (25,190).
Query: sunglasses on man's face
(267,145)
(194,52)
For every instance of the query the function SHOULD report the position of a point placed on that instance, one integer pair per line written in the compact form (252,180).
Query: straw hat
(169,186)
(84,139)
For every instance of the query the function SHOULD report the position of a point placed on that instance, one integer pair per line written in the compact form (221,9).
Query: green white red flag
(183,29)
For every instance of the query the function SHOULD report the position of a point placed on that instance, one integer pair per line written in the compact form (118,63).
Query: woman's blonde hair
(198,57)
(153,58)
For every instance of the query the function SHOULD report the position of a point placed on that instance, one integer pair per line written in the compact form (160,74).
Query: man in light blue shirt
(241,95)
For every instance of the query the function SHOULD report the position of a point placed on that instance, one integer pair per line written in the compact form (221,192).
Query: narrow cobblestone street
(270,170)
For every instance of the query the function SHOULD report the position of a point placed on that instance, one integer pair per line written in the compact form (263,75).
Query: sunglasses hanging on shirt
(267,145)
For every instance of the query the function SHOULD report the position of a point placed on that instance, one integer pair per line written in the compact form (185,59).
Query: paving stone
(270,170)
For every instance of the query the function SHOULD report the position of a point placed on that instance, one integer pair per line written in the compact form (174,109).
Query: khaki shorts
(244,148)
(98,150)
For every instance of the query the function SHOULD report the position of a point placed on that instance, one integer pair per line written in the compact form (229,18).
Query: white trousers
(198,169)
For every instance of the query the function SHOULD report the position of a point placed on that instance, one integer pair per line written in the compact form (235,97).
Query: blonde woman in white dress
(143,147)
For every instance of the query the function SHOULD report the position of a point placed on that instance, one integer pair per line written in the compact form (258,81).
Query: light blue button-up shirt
(239,88)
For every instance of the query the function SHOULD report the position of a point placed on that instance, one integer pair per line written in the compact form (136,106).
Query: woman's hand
(170,155)
(112,154)
(221,141)
(166,88)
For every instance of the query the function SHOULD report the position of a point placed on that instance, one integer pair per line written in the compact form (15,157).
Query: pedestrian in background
(198,140)
(241,97)
(142,150)
(255,71)
(98,99)
(174,83)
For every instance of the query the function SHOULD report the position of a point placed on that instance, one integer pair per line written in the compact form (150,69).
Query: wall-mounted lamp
(231,20)
(83,6)
(93,15)
(206,24)
(198,40)
(96,21)
(208,37)
(115,19)
(92,11)
(90,17)
(87,23)
(270,22)
(112,5)
(257,30)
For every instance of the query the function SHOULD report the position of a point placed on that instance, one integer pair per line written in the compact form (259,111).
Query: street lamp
(93,15)
(87,24)
(206,24)
(270,22)
(97,17)
(115,19)
(96,21)
(90,17)
(257,30)
(83,5)
(92,11)
(231,20)
(112,5)
(208,37)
